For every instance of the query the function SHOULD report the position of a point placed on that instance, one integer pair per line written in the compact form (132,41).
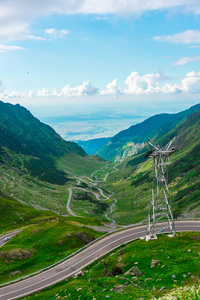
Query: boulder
(154,263)
(134,271)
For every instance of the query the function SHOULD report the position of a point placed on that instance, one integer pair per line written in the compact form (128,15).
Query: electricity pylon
(160,205)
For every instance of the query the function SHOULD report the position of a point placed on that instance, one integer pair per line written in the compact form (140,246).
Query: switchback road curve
(77,262)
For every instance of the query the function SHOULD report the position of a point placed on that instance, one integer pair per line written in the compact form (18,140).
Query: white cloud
(111,90)
(26,10)
(56,33)
(148,84)
(191,83)
(185,60)
(185,37)
(17,31)
(145,84)
(4,48)
(42,92)
(83,89)
(16,15)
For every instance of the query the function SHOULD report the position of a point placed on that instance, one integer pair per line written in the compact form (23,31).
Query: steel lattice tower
(160,204)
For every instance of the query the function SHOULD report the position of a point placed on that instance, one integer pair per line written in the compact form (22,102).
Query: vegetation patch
(41,245)
(128,272)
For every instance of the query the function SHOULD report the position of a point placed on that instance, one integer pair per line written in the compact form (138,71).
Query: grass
(78,165)
(85,204)
(40,245)
(106,278)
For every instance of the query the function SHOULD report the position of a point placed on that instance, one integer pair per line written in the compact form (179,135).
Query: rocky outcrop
(134,271)
(16,254)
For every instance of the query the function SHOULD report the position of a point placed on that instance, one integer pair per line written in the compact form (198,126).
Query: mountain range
(131,140)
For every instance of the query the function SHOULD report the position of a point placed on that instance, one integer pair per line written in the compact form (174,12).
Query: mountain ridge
(131,140)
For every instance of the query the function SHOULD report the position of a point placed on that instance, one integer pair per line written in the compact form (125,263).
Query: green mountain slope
(132,183)
(131,141)
(92,146)
(25,135)
(35,162)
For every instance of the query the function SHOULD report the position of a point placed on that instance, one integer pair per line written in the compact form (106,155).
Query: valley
(61,199)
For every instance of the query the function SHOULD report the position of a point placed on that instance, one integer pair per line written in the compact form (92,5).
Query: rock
(119,288)
(16,254)
(79,274)
(184,275)
(134,278)
(148,279)
(112,290)
(116,269)
(136,263)
(134,271)
(189,274)
(79,289)
(124,278)
(173,276)
(154,288)
(90,279)
(15,273)
(162,288)
(107,296)
(105,290)
(189,250)
(154,263)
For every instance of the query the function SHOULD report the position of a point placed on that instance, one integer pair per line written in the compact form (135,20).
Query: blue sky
(54,53)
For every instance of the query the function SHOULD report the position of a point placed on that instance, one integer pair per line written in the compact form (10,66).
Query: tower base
(151,237)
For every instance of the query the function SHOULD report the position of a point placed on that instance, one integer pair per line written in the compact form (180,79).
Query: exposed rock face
(134,271)
(16,254)
(116,269)
(154,263)
(82,236)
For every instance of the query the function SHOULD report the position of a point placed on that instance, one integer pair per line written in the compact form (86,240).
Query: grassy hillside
(132,183)
(35,162)
(45,235)
(37,144)
(177,265)
(131,141)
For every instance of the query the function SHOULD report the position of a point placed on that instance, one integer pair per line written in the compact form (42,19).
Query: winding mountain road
(8,236)
(89,181)
(77,262)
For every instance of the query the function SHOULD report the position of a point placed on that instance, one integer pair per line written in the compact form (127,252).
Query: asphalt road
(8,235)
(82,259)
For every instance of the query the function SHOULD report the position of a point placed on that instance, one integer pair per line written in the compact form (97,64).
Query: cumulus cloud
(111,90)
(151,83)
(145,84)
(185,37)
(191,83)
(185,60)
(56,33)
(83,89)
